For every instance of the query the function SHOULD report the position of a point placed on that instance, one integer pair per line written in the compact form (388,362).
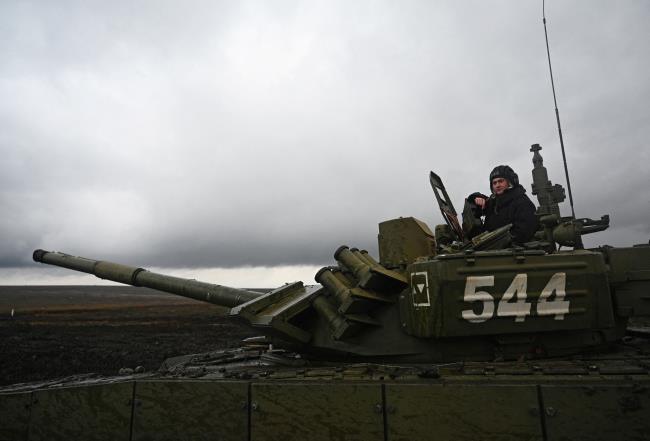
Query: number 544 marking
(519,308)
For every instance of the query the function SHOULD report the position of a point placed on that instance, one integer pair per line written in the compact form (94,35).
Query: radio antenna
(557,113)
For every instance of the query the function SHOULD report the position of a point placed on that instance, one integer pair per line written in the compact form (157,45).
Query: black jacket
(511,207)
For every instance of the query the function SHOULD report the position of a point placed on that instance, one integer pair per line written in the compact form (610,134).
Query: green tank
(439,338)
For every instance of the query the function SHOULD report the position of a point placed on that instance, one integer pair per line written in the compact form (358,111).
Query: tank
(439,337)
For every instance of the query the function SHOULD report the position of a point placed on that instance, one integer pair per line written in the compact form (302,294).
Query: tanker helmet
(504,171)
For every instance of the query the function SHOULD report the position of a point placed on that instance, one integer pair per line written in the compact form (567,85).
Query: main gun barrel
(207,292)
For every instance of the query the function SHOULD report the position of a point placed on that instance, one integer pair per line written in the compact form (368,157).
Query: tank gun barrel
(206,292)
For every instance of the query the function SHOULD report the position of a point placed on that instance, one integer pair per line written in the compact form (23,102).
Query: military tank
(442,337)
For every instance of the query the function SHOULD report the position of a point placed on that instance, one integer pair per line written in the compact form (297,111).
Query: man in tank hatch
(508,204)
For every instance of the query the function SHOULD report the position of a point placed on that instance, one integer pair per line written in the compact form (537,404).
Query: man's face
(499,185)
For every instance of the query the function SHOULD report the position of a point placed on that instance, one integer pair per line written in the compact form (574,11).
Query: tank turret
(419,302)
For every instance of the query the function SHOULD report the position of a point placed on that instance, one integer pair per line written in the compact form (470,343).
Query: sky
(241,142)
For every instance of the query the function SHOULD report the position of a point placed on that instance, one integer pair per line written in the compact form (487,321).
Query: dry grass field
(57,331)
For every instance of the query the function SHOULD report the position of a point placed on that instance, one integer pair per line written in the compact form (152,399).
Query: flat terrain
(57,331)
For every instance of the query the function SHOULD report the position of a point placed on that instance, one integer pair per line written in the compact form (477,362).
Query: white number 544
(513,302)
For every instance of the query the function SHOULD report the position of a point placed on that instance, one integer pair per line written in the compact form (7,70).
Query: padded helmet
(504,171)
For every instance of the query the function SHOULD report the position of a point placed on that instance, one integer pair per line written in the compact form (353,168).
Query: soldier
(508,204)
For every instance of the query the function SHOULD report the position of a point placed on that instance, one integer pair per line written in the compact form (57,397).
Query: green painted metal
(462,412)
(96,412)
(316,412)
(480,401)
(596,412)
(190,410)
(207,292)
(276,308)
(440,307)
(403,240)
(511,405)
(630,278)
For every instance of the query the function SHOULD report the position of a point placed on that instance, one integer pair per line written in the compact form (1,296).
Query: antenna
(557,113)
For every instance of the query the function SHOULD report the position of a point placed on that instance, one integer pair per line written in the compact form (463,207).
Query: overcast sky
(210,136)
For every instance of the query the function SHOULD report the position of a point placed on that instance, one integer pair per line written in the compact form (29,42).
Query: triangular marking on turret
(419,290)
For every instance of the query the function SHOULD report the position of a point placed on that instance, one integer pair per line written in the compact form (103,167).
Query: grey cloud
(228,134)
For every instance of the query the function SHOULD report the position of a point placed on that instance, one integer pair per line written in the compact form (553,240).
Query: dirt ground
(57,331)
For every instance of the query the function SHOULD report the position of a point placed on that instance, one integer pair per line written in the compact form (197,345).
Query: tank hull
(599,397)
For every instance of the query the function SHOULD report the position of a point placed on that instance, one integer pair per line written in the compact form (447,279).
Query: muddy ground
(57,331)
